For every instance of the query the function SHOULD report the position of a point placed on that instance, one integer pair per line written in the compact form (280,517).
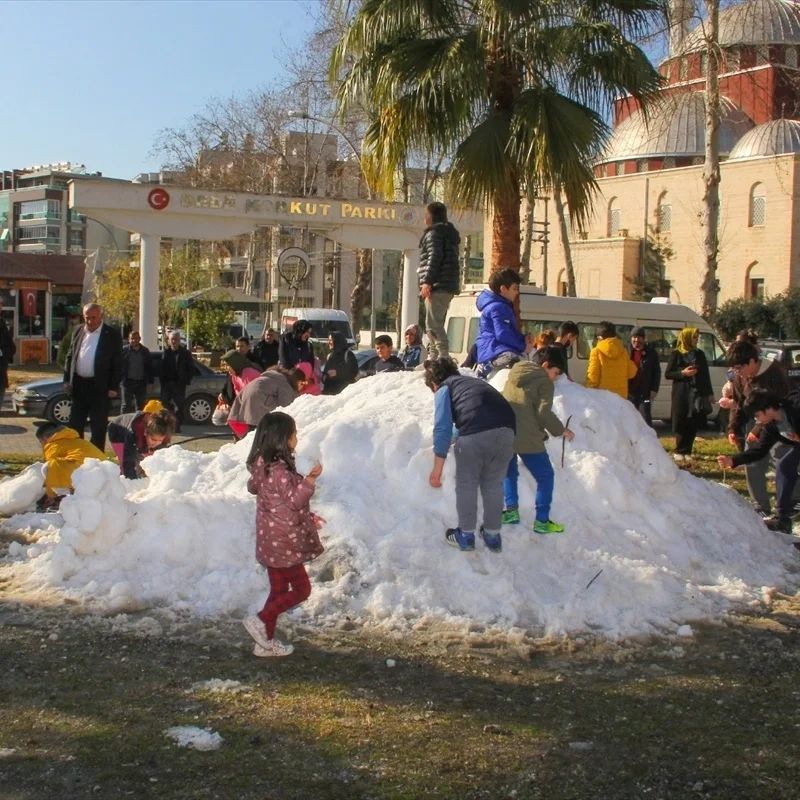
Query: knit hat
(152,407)
(236,361)
(638,332)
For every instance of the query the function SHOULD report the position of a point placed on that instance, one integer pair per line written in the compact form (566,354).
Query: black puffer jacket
(438,257)
(342,361)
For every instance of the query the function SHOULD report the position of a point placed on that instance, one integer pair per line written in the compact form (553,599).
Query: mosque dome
(675,126)
(770,139)
(754,22)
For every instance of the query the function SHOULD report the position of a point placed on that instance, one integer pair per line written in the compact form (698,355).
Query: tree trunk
(506,231)
(711,173)
(360,293)
(250,269)
(563,227)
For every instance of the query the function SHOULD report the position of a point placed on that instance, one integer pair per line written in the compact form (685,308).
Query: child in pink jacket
(287,531)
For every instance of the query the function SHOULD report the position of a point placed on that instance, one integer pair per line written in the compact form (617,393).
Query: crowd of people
(488,430)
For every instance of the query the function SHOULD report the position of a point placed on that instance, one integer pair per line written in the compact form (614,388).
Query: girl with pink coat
(287,531)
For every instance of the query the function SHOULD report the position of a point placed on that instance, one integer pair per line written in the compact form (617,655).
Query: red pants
(288,587)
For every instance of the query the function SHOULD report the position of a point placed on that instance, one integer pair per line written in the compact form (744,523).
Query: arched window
(664,214)
(791,57)
(758,206)
(561,284)
(753,283)
(614,217)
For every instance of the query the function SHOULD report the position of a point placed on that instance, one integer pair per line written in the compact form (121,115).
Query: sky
(94,82)
(648,548)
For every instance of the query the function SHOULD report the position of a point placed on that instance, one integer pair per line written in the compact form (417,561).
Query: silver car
(47,399)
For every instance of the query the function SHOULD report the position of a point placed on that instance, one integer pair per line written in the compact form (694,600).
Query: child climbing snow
(286,529)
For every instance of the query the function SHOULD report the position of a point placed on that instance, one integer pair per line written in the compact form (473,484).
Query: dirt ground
(435,712)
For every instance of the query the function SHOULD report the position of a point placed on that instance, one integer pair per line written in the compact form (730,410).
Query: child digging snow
(485,424)
(529,390)
(286,529)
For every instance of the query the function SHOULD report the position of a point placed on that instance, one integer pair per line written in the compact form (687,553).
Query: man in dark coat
(295,346)
(643,387)
(438,274)
(93,373)
(177,369)
(267,349)
(137,373)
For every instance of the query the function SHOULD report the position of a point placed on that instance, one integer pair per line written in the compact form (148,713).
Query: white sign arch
(188,213)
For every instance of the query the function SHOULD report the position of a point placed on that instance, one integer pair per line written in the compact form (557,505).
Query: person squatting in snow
(287,531)
(779,420)
(138,435)
(485,425)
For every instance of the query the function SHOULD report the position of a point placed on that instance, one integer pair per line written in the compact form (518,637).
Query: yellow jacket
(610,367)
(64,452)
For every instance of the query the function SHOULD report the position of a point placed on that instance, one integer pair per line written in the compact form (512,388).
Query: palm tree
(513,90)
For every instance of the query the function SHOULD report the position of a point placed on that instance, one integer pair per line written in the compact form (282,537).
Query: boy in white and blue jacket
(485,427)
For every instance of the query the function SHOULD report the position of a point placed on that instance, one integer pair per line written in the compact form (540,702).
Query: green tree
(652,281)
(207,323)
(515,90)
(118,292)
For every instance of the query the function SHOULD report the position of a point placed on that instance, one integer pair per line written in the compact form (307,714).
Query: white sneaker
(274,649)
(255,627)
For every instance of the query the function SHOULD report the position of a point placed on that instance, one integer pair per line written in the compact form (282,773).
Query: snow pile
(648,547)
(194,738)
(21,492)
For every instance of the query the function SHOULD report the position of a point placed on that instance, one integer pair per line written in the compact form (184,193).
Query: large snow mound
(647,548)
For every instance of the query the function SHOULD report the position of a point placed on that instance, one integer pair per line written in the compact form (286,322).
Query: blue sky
(93,82)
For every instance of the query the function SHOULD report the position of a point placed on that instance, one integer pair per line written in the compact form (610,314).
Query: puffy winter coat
(498,332)
(610,367)
(438,257)
(530,393)
(64,452)
(286,530)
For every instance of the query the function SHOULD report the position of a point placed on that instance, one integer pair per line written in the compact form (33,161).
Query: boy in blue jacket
(500,342)
(485,424)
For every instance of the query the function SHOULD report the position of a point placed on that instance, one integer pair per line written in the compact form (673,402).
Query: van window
(474,327)
(455,334)
(587,337)
(713,350)
(663,340)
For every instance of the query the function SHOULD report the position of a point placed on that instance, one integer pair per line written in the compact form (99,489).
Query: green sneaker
(547,527)
(511,516)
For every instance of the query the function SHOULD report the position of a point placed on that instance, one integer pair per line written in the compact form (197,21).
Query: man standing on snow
(438,275)
(610,366)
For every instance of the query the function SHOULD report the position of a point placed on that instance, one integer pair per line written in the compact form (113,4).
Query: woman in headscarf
(691,383)
(411,354)
(341,367)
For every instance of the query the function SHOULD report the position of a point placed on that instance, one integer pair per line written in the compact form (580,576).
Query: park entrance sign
(187,213)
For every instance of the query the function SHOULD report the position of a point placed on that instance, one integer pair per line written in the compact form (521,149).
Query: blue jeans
(539,466)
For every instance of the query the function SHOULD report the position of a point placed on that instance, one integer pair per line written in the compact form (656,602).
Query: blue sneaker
(462,540)
(493,541)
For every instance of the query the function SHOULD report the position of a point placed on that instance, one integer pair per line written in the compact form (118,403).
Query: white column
(150,266)
(410,311)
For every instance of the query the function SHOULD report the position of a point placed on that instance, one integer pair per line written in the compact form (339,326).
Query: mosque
(650,174)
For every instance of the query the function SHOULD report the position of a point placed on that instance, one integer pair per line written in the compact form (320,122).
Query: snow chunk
(194,738)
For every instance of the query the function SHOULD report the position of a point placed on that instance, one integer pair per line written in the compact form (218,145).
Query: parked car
(787,354)
(48,400)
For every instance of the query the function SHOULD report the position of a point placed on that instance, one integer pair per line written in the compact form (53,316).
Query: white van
(663,321)
(323,321)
